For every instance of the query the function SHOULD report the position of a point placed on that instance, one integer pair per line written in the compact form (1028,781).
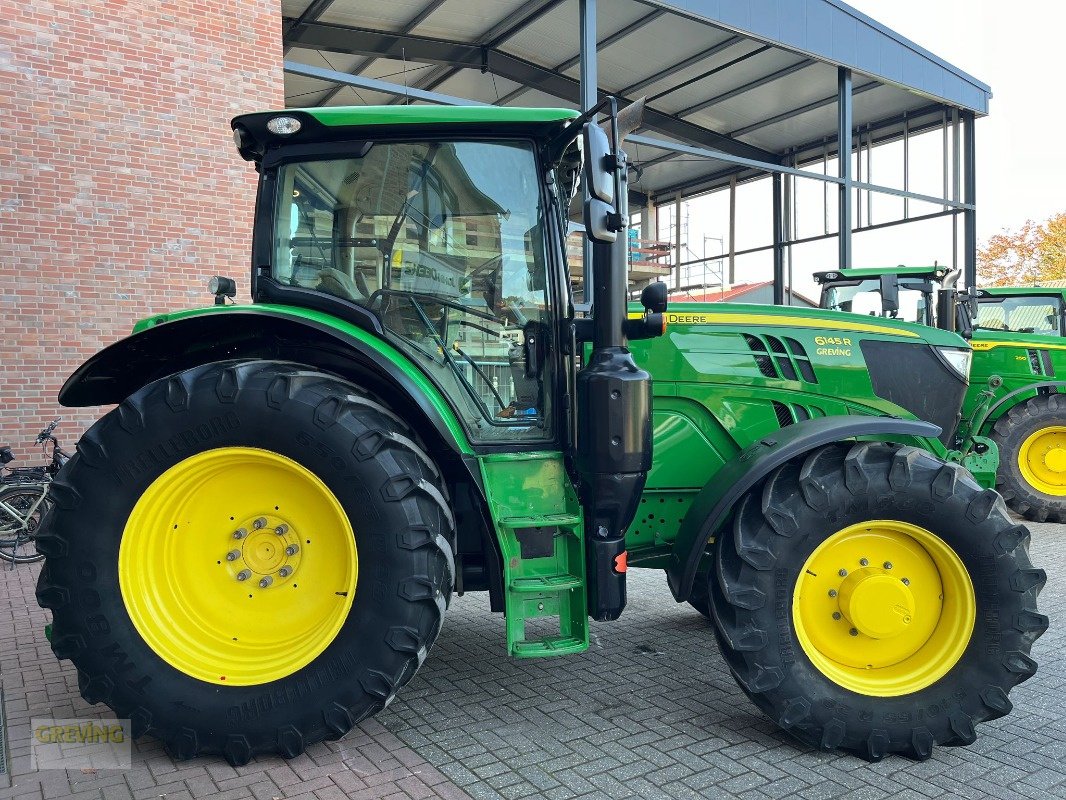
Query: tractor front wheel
(1032,458)
(873,598)
(246,557)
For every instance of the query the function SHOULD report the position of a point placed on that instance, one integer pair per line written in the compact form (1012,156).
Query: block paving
(649,711)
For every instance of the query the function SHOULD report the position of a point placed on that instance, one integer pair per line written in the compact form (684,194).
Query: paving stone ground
(648,712)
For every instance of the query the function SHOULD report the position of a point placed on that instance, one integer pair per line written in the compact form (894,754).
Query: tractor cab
(927,295)
(1039,311)
(907,293)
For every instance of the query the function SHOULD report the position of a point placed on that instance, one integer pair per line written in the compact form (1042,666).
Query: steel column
(589,95)
(844,125)
(969,216)
(779,248)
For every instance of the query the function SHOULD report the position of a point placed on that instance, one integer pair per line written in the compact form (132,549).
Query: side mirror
(964,315)
(890,294)
(599,178)
(654,298)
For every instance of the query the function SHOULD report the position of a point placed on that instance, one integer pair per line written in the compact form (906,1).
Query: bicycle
(24,499)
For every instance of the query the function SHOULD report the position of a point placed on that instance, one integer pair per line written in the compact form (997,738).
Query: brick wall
(120,189)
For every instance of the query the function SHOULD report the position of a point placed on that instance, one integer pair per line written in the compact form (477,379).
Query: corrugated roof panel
(831,32)
(293,8)
(466,20)
(483,87)
(807,85)
(657,46)
(730,79)
(391,16)
(551,39)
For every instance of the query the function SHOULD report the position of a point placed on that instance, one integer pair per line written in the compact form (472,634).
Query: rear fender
(712,506)
(310,338)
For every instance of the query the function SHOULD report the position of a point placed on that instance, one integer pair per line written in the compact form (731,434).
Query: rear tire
(1027,493)
(387,487)
(761,562)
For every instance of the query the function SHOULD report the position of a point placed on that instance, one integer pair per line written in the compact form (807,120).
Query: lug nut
(888,565)
(259,523)
(836,615)
(233,555)
(292,550)
(244,574)
(864,562)
(282,529)
(265,582)
(285,571)
(843,573)
(906,581)
(240,533)
(832,592)
(853,632)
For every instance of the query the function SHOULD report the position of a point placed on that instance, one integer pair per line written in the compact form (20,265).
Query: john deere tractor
(257,547)
(1016,393)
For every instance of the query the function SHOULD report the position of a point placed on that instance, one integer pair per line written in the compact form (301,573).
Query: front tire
(827,636)
(1031,438)
(234,510)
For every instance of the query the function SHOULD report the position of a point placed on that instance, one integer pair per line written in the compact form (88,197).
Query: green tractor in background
(1018,336)
(256,548)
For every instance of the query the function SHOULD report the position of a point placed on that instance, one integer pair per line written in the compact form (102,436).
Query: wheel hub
(877,604)
(268,545)
(1042,460)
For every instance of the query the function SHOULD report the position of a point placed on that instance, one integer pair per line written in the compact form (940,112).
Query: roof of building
(732,294)
(752,78)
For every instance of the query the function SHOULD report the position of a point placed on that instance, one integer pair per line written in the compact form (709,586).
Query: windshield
(1034,314)
(864,297)
(444,242)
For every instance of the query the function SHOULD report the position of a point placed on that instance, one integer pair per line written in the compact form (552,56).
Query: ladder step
(554,646)
(548,520)
(546,583)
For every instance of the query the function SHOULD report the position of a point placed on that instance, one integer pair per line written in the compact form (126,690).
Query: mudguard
(982,424)
(171,344)
(714,502)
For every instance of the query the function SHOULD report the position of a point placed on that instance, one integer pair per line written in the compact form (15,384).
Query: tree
(1033,254)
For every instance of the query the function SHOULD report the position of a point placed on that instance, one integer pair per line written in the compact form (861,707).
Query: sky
(1017,49)
(1020,172)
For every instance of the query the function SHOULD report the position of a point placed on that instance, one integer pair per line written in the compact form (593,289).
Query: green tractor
(1018,336)
(256,547)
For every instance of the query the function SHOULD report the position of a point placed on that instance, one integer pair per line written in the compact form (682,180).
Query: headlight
(284,126)
(958,359)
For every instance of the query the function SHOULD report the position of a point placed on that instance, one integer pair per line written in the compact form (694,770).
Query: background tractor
(289,492)
(1019,348)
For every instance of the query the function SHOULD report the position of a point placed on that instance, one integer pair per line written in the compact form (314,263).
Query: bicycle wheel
(22,507)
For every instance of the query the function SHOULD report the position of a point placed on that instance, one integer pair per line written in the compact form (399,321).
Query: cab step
(540,528)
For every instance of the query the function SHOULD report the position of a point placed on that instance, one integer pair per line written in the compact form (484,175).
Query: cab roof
(1022,291)
(857,273)
(338,123)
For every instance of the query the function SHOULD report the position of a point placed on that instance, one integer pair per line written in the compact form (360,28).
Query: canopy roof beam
(458,55)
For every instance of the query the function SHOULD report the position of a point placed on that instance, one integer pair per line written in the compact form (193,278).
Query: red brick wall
(120,189)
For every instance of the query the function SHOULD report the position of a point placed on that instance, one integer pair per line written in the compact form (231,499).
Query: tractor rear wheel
(873,598)
(1032,458)
(246,557)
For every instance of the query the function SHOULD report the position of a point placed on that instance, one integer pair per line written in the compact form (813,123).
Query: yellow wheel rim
(1042,460)
(884,608)
(238,566)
